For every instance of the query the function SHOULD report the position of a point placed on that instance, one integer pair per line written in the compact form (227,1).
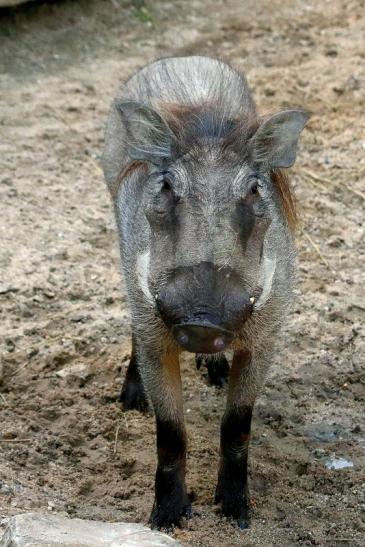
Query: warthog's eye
(161,199)
(166,185)
(166,182)
(253,191)
(254,188)
(167,188)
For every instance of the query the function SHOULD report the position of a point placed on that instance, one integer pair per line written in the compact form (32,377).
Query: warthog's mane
(285,192)
(208,123)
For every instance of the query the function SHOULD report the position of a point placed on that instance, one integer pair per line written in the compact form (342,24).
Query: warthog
(205,218)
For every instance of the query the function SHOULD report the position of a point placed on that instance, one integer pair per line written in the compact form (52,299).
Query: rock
(37,529)
(9,3)
(76,369)
(335,462)
(5,289)
(325,432)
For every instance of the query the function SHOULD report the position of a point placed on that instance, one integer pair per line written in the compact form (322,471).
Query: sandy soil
(65,444)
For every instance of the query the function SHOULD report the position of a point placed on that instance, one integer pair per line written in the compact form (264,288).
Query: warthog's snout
(204,306)
(202,337)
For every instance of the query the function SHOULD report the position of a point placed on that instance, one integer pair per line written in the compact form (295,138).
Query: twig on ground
(19,369)
(95,164)
(15,440)
(321,186)
(331,104)
(324,181)
(318,251)
(116,438)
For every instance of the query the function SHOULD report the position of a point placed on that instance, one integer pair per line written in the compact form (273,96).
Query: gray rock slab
(9,3)
(47,529)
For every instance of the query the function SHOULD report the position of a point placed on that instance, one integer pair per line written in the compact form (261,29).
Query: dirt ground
(65,444)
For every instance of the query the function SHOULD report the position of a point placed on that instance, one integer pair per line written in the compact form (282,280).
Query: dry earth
(65,444)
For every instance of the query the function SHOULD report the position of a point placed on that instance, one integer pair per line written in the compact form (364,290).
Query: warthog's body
(204,216)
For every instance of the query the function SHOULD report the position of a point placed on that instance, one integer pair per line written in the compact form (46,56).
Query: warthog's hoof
(166,516)
(133,396)
(218,369)
(234,507)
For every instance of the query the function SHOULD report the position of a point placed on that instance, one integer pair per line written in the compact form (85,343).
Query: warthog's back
(189,80)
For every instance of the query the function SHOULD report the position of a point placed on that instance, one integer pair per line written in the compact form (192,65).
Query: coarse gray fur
(211,183)
(190,80)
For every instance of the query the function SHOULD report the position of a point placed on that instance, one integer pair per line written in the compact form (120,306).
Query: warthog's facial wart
(143,268)
(266,278)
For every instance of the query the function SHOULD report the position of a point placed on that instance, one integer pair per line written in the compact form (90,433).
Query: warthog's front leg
(161,377)
(232,488)
(133,396)
(218,368)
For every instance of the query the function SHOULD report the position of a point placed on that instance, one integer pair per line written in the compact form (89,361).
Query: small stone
(80,318)
(325,432)
(5,289)
(32,352)
(31,529)
(49,294)
(77,369)
(359,525)
(9,434)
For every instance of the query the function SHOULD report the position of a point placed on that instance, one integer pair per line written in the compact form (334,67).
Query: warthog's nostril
(182,339)
(202,337)
(219,343)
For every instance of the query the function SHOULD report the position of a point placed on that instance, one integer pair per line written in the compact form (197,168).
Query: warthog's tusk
(143,268)
(266,278)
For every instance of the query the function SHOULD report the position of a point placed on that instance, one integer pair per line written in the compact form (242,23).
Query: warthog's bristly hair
(127,172)
(287,197)
(210,125)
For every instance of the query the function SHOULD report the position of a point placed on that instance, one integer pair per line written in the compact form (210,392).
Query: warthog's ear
(148,135)
(276,140)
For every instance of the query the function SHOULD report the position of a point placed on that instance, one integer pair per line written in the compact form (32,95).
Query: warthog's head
(213,193)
